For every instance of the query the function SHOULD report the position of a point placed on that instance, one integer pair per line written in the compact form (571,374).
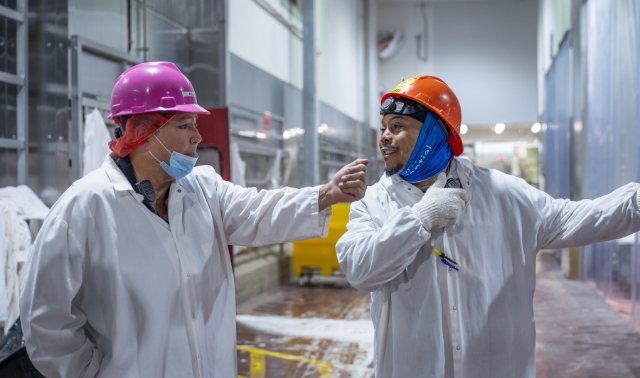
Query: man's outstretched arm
(566,223)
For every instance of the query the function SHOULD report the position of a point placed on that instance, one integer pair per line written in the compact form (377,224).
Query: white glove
(440,207)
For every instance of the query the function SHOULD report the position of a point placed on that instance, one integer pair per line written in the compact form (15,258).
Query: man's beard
(393,170)
(396,168)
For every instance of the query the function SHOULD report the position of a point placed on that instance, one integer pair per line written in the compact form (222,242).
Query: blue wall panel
(558,120)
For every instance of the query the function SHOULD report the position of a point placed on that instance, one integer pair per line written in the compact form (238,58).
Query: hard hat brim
(186,108)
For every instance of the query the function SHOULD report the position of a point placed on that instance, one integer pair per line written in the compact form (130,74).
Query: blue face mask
(431,155)
(179,165)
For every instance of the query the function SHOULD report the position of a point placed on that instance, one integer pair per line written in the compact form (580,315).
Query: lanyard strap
(145,188)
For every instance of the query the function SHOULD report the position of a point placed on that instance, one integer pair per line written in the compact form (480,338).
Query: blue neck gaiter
(431,155)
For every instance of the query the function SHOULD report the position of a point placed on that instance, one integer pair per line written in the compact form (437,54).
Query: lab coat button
(188,274)
(179,190)
(450,269)
(455,308)
(458,347)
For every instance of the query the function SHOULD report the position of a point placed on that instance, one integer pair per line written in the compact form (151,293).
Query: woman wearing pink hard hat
(130,275)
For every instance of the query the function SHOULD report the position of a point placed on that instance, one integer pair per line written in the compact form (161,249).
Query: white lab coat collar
(121,184)
(463,168)
(117,178)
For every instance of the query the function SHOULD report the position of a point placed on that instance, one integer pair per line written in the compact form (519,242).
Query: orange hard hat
(436,95)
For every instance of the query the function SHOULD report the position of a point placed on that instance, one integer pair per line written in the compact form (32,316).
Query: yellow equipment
(321,253)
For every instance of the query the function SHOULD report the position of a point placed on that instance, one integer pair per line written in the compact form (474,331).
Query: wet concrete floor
(317,331)
(325,331)
(578,334)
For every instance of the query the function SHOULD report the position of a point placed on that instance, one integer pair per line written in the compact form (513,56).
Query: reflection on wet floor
(322,331)
(577,333)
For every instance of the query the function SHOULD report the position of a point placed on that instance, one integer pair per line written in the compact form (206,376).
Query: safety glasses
(401,106)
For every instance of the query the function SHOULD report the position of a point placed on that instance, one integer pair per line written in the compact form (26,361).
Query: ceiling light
(323,128)
(536,127)
(577,126)
(463,129)
(247,133)
(261,135)
(499,128)
(286,134)
(300,131)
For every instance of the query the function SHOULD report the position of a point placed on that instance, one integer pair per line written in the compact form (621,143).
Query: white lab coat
(112,290)
(96,142)
(15,242)
(431,321)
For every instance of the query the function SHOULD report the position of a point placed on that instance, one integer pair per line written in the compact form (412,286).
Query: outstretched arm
(566,223)
(253,218)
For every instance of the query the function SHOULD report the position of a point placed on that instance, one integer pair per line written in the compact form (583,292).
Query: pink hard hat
(153,87)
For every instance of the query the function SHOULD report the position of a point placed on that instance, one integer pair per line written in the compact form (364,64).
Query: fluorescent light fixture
(463,129)
(300,131)
(286,134)
(247,133)
(536,127)
(499,128)
(261,135)
(323,128)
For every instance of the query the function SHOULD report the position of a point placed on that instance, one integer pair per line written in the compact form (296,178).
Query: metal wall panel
(253,91)
(342,141)
(13,90)
(192,35)
(48,99)
(8,51)
(8,167)
(98,76)
(101,21)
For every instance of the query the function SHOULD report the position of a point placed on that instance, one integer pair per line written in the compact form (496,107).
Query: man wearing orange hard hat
(447,249)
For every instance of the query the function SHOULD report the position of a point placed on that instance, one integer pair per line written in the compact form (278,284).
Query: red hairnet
(138,129)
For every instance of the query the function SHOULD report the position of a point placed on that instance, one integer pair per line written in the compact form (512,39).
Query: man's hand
(440,207)
(348,185)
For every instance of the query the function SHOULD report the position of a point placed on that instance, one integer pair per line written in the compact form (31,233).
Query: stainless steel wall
(253,92)
(8,96)
(48,98)
(190,34)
